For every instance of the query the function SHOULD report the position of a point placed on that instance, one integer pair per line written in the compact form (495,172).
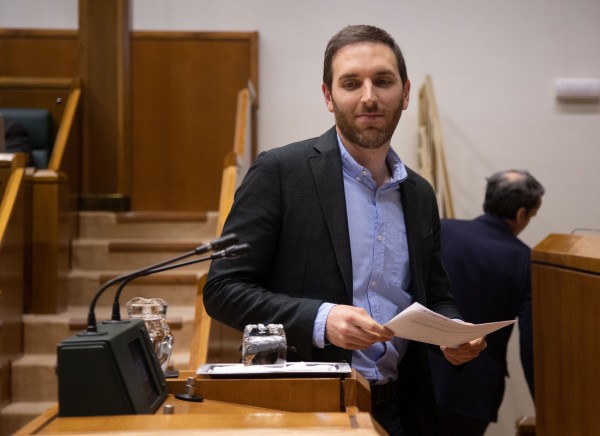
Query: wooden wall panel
(39,53)
(185,89)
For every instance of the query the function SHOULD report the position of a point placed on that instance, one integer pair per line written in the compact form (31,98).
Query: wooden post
(105,40)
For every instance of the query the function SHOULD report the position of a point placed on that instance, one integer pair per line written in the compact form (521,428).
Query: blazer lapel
(326,168)
(413,220)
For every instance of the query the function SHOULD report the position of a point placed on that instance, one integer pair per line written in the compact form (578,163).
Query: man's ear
(521,220)
(405,94)
(328,98)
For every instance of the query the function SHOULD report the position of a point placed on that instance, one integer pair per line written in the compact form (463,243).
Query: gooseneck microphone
(218,244)
(119,355)
(228,253)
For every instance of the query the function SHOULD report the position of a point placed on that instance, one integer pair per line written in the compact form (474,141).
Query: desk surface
(245,409)
(211,417)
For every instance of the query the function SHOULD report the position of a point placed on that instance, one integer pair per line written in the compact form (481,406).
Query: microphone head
(232,252)
(218,244)
(224,241)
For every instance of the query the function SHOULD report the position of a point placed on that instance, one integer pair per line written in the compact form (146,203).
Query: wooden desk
(566,327)
(262,406)
(286,394)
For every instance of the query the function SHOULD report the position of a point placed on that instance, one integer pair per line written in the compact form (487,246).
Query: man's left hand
(464,352)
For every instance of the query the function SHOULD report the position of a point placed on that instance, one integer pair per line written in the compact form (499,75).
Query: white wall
(493,64)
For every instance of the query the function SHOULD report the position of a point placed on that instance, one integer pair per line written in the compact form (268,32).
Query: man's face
(366,96)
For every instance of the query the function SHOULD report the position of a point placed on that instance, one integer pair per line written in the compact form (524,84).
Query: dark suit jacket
(490,278)
(291,209)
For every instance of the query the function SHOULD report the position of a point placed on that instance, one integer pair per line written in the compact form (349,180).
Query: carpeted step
(34,378)
(43,333)
(177,287)
(112,244)
(16,415)
(147,225)
(131,255)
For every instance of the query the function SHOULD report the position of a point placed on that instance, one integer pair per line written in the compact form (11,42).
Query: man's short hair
(354,35)
(508,191)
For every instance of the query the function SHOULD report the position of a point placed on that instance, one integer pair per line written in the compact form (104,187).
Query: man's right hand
(352,328)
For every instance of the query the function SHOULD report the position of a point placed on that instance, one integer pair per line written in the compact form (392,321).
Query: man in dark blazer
(490,279)
(319,264)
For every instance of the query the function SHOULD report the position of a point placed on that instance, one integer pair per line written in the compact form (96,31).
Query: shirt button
(358,178)
(373,283)
(379,237)
(364,172)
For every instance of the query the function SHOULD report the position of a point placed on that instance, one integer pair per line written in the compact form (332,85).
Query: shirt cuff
(319,327)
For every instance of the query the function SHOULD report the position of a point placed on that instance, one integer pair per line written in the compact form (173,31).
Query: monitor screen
(141,366)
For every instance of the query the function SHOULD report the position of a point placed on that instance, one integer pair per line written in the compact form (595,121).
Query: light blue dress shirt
(380,263)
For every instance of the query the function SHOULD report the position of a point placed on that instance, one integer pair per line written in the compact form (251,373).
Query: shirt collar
(357,172)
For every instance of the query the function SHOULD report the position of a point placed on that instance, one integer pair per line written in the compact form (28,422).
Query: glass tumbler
(264,345)
(154,313)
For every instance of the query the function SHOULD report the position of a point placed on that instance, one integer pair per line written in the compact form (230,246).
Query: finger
(377,332)
(464,352)
(350,337)
(377,335)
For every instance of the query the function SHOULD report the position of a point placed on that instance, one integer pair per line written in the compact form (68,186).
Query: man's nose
(369,98)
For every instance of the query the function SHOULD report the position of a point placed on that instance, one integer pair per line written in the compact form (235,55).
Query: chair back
(38,125)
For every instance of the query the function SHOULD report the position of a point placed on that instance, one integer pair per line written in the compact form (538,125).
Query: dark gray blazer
(291,209)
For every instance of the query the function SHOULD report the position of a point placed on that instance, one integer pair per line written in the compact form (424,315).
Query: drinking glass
(154,313)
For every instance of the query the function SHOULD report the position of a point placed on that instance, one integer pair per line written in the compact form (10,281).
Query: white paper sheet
(418,323)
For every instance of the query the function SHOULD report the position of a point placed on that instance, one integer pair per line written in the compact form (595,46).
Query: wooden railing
(235,166)
(50,221)
(12,264)
(238,161)
(432,160)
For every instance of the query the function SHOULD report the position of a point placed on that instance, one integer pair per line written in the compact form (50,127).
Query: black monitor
(114,372)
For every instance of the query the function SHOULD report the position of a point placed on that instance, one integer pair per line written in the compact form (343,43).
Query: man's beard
(371,137)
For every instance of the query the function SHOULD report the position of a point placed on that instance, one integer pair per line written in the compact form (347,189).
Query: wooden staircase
(111,244)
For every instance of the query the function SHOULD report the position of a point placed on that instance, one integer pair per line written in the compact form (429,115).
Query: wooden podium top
(581,252)
(211,417)
(258,406)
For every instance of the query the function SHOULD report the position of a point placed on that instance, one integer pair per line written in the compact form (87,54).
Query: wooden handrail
(9,198)
(237,162)
(201,334)
(13,246)
(235,166)
(53,191)
(432,157)
(65,127)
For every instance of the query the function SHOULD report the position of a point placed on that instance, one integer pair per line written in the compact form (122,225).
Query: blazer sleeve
(241,291)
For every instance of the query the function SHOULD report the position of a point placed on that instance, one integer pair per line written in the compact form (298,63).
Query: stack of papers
(418,323)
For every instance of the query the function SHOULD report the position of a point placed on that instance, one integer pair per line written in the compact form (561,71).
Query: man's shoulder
(453,225)
(419,181)
(326,141)
(484,230)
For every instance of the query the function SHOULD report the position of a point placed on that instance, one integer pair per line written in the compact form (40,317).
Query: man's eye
(350,85)
(384,82)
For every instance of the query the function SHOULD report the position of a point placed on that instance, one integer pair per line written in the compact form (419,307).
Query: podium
(566,328)
(233,406)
